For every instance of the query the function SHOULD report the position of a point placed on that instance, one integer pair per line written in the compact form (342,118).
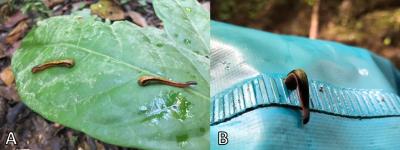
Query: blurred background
(371,24)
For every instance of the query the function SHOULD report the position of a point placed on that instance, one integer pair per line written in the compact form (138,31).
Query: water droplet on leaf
(159,45)
(171,104)
(142,108)
(227,68)
(187,41)
(187,9)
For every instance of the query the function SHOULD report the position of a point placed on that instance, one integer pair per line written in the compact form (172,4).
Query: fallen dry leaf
(107,9)
(10,93)
(10,50)
(17,33)
(137,18)
(52,3)
(100,146)
(14,19)
(6,10)
(390,52)
(2,50)
(7,76)
(3,110)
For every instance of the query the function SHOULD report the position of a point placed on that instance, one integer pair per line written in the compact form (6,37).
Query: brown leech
(57,63)
(298,79)
(145,80)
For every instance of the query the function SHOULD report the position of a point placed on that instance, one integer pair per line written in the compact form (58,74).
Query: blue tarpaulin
(354,98)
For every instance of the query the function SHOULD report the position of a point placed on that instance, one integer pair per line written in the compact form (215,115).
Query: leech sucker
(57,63)
(298,79)
(146,80)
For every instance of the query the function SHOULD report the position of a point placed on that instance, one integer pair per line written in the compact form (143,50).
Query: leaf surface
(184,22)
(188,26)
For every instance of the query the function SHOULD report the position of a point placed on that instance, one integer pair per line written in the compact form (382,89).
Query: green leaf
(173,103)
(188,24)
(185,22)
(100,94)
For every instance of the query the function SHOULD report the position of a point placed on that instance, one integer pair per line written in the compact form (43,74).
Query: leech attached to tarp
(56,63)
(298,79)
(145,80)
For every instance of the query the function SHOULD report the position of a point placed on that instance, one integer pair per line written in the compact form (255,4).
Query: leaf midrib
(123,63)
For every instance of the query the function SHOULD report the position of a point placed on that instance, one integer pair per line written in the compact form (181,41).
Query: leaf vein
(124,63)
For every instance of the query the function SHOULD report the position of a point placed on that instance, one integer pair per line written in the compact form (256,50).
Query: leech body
(145,80)
(298,79)
(57,63)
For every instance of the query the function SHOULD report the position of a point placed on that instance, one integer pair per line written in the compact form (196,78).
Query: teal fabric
(276,127)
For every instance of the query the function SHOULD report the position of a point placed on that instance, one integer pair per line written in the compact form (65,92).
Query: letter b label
(222,138)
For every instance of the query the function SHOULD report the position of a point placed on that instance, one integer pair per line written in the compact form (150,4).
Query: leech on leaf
(57,63)
(145,80)
(298,79)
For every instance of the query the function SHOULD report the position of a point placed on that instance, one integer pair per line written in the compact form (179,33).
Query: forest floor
(17,17)
(371,24)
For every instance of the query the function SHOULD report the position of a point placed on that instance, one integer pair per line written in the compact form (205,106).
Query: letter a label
(11,139)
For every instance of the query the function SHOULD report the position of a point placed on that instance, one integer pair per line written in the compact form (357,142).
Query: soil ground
(371,24)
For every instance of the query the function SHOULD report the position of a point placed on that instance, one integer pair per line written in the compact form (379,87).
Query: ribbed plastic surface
(264,90)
